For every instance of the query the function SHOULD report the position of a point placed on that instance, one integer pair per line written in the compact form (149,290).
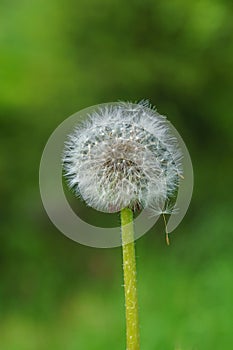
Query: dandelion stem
(130,285)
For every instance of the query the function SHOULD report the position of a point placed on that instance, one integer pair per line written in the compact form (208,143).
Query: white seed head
(123,155)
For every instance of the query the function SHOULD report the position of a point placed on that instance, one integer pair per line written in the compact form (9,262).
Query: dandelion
(123,158)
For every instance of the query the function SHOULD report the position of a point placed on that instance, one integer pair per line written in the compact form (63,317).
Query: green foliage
(58,57)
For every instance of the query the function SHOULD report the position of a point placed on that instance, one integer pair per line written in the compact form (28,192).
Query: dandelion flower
(122,156)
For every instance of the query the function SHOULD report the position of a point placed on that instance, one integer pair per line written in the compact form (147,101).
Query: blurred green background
(58,57)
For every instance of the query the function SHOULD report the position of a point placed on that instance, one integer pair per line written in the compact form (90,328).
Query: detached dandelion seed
(123,159)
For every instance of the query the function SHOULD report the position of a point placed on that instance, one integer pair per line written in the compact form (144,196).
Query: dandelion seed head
(123,155)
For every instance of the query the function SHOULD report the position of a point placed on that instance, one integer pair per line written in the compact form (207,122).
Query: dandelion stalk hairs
(124,159)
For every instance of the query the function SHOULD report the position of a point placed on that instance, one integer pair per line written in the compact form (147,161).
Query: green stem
(130,285)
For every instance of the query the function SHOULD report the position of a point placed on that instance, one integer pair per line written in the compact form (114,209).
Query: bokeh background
(58,57)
